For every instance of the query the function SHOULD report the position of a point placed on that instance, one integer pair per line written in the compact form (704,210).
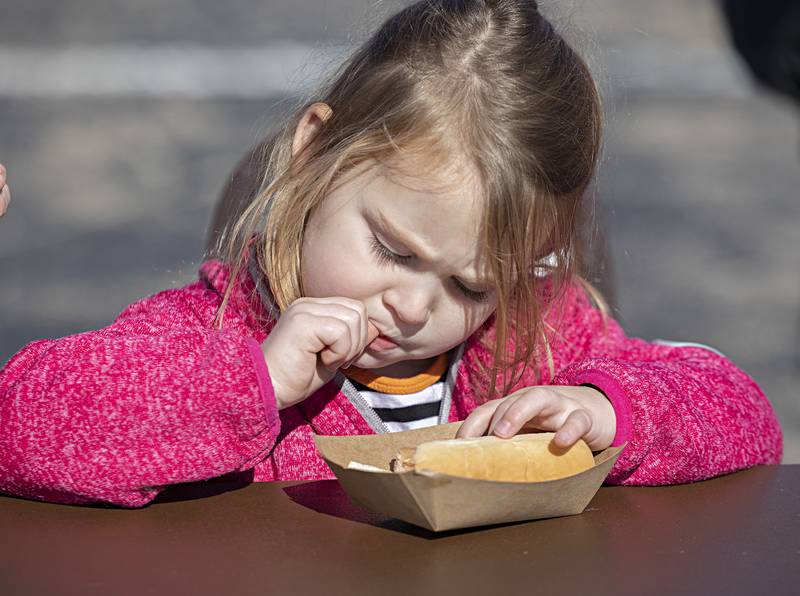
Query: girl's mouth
(381,344)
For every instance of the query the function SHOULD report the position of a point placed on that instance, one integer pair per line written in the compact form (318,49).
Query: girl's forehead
(447,179)
(444,186)
(452,194)
(443,222)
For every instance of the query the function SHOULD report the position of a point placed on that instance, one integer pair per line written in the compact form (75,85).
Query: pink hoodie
(159,397)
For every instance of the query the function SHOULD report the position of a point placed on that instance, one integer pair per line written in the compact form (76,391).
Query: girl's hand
(313,338)
(571,412)
(5,192)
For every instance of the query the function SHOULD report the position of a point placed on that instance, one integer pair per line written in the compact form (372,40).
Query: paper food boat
(442,502)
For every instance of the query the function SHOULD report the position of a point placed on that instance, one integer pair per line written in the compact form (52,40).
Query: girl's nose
(411,305)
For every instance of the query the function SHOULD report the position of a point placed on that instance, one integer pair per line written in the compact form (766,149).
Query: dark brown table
(737,534)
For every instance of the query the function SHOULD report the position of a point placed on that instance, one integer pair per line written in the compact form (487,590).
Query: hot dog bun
(522,458)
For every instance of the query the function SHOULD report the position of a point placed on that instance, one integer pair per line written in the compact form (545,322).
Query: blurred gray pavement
(115,162)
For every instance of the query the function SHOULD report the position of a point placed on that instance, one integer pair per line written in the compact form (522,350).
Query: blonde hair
(489,82)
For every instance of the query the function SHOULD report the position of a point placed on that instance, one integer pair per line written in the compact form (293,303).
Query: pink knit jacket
(159,397)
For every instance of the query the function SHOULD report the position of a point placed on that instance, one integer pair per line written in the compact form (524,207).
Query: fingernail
(503,427)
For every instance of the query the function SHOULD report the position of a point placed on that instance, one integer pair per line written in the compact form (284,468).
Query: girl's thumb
(372,332)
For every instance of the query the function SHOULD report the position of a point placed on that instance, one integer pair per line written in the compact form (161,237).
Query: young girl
(410,260)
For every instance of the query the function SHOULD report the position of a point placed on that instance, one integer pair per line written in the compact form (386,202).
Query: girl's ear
(314,117)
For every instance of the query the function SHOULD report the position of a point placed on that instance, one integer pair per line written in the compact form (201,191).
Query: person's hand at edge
(5,191)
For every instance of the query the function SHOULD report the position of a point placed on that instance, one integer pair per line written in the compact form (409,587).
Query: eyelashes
(384,255)
(388,258)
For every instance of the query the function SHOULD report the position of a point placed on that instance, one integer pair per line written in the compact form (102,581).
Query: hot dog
(522,458)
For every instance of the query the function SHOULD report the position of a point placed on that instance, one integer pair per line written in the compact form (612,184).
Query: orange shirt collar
(396,386)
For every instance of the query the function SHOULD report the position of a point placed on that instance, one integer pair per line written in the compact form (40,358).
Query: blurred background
(121,121)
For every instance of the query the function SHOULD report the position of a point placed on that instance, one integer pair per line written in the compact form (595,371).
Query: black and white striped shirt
(405,411)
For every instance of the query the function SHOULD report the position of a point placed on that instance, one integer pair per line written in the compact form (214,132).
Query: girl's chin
(396,366)
(367,360)
(373,362)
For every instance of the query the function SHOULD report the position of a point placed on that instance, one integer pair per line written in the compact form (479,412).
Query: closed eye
(384,255)
(387,257)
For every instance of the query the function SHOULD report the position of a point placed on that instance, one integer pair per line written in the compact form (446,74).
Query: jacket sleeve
(116,415)
(686,412)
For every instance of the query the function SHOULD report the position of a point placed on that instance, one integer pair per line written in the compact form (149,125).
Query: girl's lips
(381,344)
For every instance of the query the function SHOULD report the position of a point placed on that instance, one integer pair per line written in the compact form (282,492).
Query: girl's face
(411,256)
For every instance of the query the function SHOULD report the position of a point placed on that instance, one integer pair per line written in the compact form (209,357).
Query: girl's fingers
(508,416)
(528,405)
(335,341)
(476,424)
(577,425)
(349,314)
(365,331)
(482,419)
(359,324)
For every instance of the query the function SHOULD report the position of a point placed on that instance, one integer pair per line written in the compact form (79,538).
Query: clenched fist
(314,338)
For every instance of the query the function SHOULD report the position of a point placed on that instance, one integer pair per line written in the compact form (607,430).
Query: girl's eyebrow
(387,226)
